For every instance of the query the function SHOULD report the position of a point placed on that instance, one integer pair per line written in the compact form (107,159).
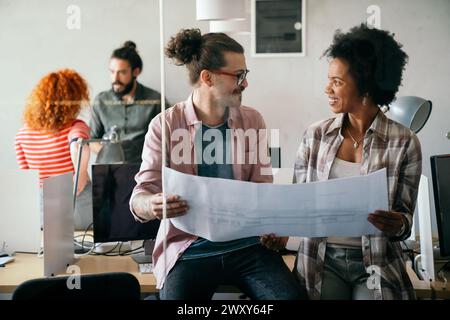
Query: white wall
(289,92)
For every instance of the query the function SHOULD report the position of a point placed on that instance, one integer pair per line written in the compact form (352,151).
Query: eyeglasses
(240,77)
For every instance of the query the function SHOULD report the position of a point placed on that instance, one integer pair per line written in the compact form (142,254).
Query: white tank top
(341,169)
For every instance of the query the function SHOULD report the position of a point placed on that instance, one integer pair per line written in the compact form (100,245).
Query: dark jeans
(259,273)
(344,275)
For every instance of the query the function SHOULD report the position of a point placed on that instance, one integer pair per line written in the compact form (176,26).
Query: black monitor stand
(146,256)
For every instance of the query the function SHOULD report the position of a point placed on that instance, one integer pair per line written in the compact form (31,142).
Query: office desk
(29,266)
(427,290)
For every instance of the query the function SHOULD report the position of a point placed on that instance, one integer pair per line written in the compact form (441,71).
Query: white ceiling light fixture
(233,26)
(241,27)
(220,9)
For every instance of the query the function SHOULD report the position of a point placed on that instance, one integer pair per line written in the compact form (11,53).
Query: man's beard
(237,93)
(126,90)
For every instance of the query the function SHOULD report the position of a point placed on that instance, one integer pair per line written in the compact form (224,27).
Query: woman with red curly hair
(44,143)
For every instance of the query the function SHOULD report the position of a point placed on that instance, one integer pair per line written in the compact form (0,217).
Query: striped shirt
(389,145)
(48,152)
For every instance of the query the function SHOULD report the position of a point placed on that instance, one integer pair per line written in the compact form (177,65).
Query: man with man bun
(187,266)
(129,105)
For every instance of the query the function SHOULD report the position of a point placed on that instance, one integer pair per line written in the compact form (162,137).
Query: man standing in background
(128,104)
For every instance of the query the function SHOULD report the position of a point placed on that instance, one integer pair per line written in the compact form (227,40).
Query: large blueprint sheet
(223,210)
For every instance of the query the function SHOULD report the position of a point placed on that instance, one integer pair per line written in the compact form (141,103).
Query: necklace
(355,142)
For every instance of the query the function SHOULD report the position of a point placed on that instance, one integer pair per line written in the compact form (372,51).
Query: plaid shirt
(389,145)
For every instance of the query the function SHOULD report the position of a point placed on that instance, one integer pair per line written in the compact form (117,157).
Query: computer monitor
(112,185)
(440,170)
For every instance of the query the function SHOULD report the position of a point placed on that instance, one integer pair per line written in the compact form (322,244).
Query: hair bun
(129,44)
(185,46)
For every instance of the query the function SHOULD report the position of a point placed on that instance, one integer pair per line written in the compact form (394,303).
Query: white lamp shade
(220,9)
(410,111)
(230,26)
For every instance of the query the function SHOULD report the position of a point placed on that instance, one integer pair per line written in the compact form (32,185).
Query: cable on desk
(125,253)
(410,253)
(82,242)
(137,250)
(109,253)
(106,253)
(85,232)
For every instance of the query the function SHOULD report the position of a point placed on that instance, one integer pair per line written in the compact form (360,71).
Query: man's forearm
(142,206)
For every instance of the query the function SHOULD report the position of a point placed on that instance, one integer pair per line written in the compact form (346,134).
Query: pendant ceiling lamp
(220,9)
(230,26)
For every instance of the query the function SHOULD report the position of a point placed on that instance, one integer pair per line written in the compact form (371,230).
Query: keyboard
(146,267)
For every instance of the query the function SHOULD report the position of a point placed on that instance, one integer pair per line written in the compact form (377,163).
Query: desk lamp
(110,153)
(410,111)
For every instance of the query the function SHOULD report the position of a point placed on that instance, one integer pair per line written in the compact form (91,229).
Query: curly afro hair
(56,101)
(376,61)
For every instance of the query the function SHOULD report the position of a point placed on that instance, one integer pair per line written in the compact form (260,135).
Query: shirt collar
(379,125)
(189,112)
(336,124)
(138,94)
(191,115)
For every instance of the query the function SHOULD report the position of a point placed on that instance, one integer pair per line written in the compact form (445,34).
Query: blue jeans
(258,272)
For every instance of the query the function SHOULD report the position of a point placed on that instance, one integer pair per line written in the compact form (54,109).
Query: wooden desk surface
(29,266)
(428,290)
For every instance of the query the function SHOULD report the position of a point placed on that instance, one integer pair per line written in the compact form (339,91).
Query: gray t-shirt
(216,156)
(216,166)
(133,119)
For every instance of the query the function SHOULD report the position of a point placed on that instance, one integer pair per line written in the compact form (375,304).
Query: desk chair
(114,285)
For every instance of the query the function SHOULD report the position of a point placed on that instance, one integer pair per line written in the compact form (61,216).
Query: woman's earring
(364,102)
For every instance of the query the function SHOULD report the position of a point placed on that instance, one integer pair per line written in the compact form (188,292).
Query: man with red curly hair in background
(44,143)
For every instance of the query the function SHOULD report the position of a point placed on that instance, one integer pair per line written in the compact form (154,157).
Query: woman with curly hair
(365,72)
(44,143)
